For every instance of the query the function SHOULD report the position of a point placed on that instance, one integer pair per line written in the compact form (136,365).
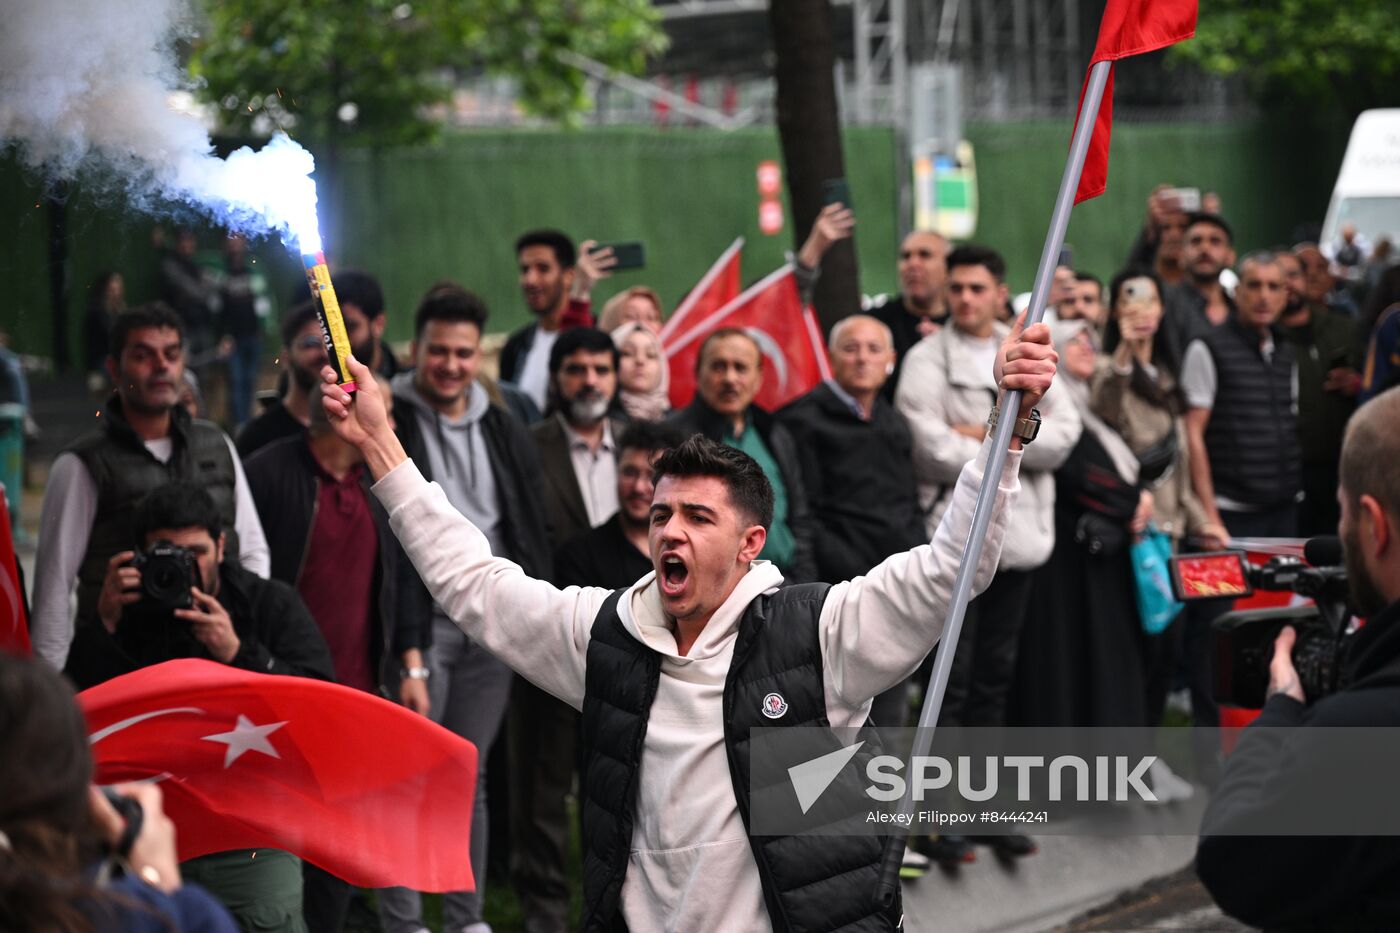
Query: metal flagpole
(996,461)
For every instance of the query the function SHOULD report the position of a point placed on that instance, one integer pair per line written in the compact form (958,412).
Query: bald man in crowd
(921,306)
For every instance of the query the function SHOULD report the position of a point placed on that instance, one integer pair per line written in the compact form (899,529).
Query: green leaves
(383,71)
(1303,52)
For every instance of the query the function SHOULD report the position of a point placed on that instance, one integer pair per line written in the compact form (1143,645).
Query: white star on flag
(247,737)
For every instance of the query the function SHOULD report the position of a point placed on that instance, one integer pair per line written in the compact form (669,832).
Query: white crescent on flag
(116,727)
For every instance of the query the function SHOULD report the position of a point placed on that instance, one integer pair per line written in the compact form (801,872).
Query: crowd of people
(1199,397)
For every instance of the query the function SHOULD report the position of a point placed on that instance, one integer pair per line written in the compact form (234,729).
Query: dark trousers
(543,746)
(325,899)
(985,661)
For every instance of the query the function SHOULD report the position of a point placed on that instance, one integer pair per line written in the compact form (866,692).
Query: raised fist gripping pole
(318,277)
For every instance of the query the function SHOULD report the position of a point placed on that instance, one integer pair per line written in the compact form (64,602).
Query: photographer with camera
(178,598)
(1322,882)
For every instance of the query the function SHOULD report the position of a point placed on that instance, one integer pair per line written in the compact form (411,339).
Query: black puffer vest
(810,883)
(124,471)
(1252,436)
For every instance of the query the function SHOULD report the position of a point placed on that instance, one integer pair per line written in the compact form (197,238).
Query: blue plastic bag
(1157,604)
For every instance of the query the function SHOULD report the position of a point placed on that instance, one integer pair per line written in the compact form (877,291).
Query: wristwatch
(1026,428)
(415,673)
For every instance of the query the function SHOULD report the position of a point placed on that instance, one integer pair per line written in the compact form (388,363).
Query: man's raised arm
(540,631)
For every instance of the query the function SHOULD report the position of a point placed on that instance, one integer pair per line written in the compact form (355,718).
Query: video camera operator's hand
(152,855)
(1026,362)
(364,419)
(591,268)
(211,624)
(1283,677)
(120,588)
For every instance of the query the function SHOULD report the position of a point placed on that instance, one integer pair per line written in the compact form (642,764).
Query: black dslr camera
(1242,643)
(167,573)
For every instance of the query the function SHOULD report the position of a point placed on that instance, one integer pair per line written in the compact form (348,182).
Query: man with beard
(303,355)
(1200,303)
(920,307)
(577,444)
(1328,351)
(144,440)
(1335,882)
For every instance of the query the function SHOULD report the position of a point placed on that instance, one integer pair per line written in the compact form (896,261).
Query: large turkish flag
(369,791)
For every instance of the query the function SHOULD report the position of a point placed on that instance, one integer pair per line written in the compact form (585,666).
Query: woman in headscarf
(642,377)
(1081,659)
(1135,390)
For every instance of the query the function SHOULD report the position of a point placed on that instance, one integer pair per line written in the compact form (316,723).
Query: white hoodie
(691,867)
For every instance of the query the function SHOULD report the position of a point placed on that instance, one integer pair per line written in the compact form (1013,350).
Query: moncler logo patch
(774,706)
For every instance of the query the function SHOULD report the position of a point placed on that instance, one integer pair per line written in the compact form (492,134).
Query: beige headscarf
(1124,460)
(653,404)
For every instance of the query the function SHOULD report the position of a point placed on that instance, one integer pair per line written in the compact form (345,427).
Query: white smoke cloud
(84,90)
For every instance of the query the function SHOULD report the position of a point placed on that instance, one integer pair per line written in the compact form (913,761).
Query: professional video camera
(167,573)
(1243,642)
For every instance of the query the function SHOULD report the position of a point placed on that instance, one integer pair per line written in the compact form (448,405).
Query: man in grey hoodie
(486,463)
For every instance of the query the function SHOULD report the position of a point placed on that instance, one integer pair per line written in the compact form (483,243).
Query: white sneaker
(1167,785)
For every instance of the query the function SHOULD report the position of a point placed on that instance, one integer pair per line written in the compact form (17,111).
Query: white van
(1367,192)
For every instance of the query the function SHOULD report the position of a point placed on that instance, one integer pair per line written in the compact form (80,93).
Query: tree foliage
(393,64)
(1309,52)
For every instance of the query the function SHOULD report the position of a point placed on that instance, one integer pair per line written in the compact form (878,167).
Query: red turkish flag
(716,288)
(369,791)
(1128,27)
(771,311)
(14,620)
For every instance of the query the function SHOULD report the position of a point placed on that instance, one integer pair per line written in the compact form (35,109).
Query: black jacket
(277,633)
(286,486)
(859,478)
(513,353)
(699,418)
(524,530)
(1307,882)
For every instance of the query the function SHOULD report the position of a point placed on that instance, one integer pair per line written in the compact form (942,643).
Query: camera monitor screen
(1210,576)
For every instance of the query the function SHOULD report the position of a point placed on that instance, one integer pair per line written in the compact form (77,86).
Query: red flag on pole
(794,359)
(367,790)
(716,288)
(14,621)
(1129,27)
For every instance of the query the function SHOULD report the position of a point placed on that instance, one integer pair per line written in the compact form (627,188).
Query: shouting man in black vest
(672,672)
